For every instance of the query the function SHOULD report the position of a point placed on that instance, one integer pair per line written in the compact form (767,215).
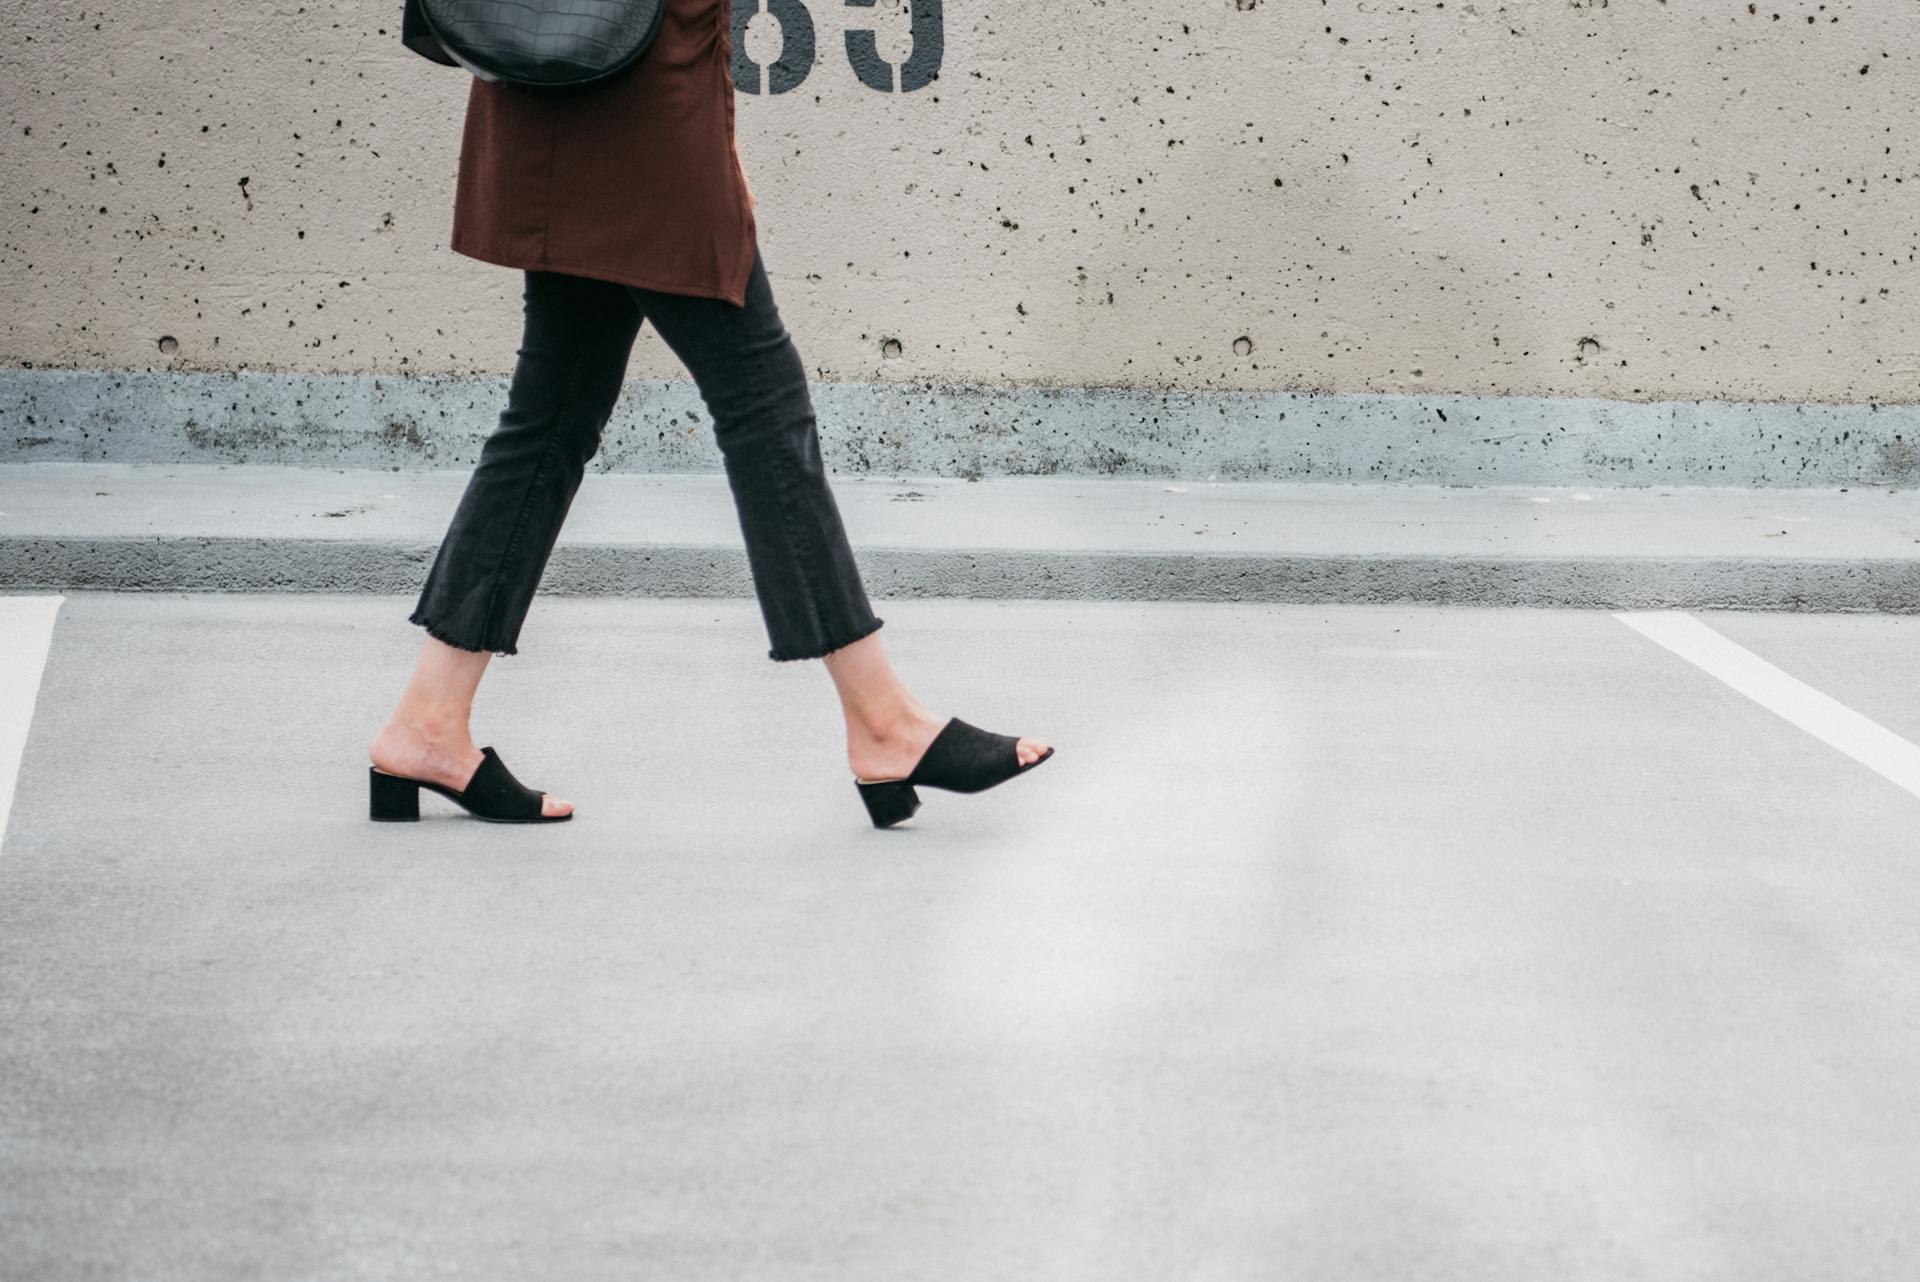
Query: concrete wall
(1631,200)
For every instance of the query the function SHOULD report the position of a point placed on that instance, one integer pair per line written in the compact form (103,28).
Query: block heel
(961,758)
(392,798)
(888,801)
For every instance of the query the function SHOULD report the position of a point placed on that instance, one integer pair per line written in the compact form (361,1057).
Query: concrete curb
(145,528)
(190,564)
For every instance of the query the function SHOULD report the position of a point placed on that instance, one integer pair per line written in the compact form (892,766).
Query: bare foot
(892,751)
(447,757)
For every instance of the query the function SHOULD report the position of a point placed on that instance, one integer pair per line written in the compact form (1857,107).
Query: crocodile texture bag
(537,44)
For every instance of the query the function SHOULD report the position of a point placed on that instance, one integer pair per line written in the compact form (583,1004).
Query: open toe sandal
(961,758)
(492,794)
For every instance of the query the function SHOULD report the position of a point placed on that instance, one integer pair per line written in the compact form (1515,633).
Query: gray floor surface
(1335,943)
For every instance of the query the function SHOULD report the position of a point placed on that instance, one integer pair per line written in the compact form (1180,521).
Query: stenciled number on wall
(863,50)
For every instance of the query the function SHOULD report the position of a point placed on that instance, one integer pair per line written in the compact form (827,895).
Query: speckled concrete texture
(264,529)
(1623,201)
(661,425)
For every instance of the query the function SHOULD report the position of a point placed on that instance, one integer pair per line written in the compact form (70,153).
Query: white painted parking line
(1826,718)
(26,633)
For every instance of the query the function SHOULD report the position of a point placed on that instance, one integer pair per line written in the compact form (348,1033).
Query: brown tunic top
(634,181)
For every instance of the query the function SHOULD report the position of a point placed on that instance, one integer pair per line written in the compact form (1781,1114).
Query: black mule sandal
(492,794)
(961,758)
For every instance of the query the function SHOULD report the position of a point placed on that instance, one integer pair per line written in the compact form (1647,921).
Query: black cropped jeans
(572,362)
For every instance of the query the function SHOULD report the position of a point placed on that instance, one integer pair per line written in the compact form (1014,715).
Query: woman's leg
(754,383)
(571,364)
(749,374)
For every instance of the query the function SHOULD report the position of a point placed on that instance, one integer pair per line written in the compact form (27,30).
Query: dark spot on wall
(403,434)
(1899,460)
(233,438)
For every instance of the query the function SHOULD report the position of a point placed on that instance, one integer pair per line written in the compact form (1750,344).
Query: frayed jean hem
(440,634)
(791,656)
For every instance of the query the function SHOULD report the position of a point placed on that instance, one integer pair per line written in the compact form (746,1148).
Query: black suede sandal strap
(495,793)
(965,758)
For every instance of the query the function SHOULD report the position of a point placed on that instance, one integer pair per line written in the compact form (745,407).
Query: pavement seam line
(1820,715)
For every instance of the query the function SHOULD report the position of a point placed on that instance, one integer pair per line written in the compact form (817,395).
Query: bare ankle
(893,723)
(434,724)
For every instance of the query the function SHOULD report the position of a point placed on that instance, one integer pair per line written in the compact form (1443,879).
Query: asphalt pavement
(1335,942)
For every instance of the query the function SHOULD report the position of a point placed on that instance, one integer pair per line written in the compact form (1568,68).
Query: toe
(555,806)
(1031,750)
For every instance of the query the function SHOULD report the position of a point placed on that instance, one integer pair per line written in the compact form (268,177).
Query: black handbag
(536,44)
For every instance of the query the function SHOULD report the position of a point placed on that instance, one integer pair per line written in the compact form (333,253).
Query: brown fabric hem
(501,258)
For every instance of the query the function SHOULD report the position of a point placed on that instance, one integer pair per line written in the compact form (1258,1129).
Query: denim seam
(809,555)
(533,484)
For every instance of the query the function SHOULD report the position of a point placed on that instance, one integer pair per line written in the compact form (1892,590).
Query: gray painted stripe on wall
(939,429)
